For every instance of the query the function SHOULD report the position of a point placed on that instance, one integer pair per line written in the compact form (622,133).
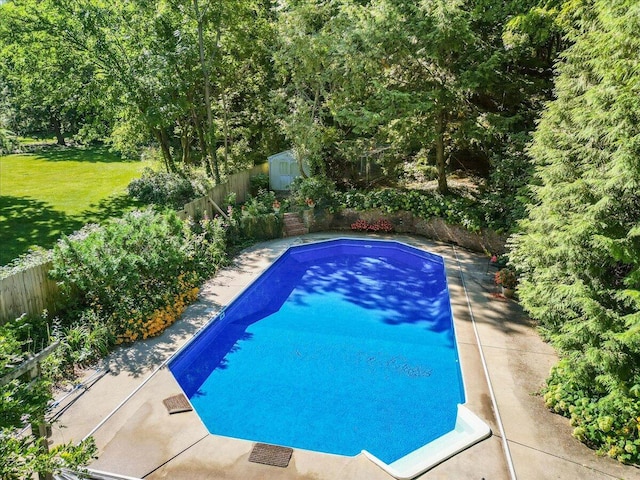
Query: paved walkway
(136,437)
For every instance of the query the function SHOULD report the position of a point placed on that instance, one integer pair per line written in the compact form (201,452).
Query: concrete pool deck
(137,438)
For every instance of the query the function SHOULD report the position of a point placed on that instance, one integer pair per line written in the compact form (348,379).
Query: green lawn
(57,190)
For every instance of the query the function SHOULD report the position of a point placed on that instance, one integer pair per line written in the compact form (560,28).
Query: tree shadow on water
(408,294)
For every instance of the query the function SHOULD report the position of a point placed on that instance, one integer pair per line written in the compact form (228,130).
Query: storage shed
(283,169)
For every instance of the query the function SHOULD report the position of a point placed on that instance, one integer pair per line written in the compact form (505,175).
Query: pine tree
(579,248)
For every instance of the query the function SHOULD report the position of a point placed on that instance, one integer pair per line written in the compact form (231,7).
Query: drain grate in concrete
(271,455)
(177,404)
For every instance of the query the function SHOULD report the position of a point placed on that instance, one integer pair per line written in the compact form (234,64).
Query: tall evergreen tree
(579,250)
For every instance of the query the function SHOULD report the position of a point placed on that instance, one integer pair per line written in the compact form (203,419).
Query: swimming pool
(341,347)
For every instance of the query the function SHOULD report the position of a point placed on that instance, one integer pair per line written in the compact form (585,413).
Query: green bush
(258,182)
(8,141)
(508,191)
(167,189)
(126,272)
(20,401)
(455,210)
(207,245)
(263,203)
(606,421)
(31,331)
(261,227)
(23,401)
(257,219)
(81,343)
(316,190)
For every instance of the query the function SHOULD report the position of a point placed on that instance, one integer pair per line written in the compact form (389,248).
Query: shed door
(284,168)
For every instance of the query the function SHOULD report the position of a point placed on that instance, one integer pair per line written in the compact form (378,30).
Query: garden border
(31,291)
(485,241)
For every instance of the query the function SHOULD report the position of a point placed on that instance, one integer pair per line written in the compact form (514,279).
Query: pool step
(293,225)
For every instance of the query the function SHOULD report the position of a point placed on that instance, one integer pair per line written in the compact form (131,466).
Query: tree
(7,137)
(52,88)
(159,70)
(579,249)
(429,62)
(303,63)
(402,74)
(244,80)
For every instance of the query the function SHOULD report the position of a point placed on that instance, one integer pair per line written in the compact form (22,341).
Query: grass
(56,191)
(36,140)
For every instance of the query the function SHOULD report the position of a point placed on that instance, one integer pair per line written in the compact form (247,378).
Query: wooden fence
(238,183)
(29,291)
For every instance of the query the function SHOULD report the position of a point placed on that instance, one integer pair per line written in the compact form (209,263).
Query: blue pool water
(339,346)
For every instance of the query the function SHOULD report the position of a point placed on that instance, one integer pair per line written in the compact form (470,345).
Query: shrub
(208,240)
(22,455)
(381,225)
(608,422)
(455,210)
(317,190)
(261,204)
(128,273)
(506,277)
(129,138)
(25,401)
(167,189)
(261,227)
(360,225)
(81,343)
(258,182)
(8,141)
(257,219)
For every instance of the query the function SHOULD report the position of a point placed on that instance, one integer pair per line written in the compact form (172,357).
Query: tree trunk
(202,138)
(211,151)
(186,140)
(57,129)
(441,164)
(225,119)
(185,143)
(163,140)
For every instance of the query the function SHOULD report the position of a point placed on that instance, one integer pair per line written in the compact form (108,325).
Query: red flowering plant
(381,225)
(506,278)
(360,226)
